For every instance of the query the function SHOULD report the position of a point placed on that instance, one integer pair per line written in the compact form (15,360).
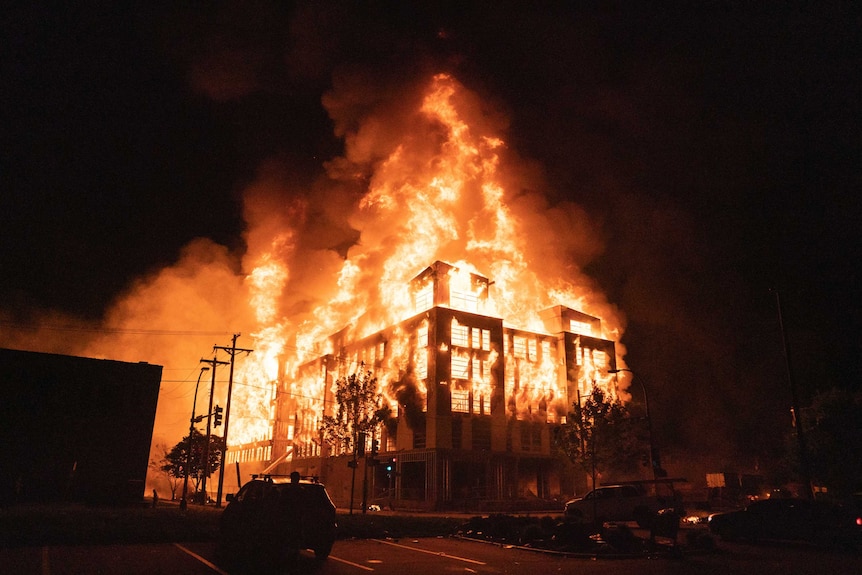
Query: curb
(669,553)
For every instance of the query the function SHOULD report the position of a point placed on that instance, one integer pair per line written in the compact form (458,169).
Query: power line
(76,328)
(156,332)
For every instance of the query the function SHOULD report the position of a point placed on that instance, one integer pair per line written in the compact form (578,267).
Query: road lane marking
(438,553)
(206,562)
(351,563)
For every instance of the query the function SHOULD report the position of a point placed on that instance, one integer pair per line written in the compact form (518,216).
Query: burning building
(475,400)
(478,355)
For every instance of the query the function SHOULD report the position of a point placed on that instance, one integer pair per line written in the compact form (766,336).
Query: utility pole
(232,350)
(206,463)
(804,468)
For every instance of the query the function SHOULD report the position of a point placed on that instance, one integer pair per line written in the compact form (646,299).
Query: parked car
(626,502)
(792,519)
(271,518)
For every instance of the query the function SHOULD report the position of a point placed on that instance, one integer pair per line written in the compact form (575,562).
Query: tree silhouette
(600,435)
(833,427)
(162,466)
(360,408)
(176,459)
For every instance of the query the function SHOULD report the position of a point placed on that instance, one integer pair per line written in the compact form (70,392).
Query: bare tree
(161,465)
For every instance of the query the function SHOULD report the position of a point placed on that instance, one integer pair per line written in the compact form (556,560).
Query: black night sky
(716,150)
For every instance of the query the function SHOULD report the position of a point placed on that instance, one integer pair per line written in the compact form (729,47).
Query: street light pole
(183,502)
(804,468)
(653,459)
(206,463)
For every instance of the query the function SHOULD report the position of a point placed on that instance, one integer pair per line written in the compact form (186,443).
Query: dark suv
(271,518)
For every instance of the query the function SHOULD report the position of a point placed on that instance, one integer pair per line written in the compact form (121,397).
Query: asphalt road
(434,556)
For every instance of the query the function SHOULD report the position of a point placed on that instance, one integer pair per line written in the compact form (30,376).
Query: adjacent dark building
(74,428)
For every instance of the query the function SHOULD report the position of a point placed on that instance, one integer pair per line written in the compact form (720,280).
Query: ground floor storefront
(441,479)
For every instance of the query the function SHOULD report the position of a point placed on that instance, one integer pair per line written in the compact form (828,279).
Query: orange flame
(438,183)
(441,193)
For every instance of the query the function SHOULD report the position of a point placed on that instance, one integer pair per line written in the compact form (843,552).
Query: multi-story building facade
(474,403)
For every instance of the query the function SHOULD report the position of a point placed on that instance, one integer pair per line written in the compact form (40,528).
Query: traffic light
(217,413)
(375,445)
(360,445)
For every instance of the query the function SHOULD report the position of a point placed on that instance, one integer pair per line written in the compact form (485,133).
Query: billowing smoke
(425,175)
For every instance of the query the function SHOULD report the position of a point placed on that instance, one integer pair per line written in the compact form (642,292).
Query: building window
(422,363)
(425,297)
(580,327)
(525,437)
(519,345)
(531,437)
(420,439)
(510,377)
(484,408)
(460,401)
(464,300)
(531,349)
(422,335)
(460,334)
(482,433)
(457,432)
(480,338)
(460,367)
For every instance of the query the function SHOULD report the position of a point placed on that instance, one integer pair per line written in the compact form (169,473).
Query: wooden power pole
(232,351)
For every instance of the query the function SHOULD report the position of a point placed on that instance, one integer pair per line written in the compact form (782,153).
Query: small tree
(833,427)
(360,408)
(162,466)
(600,435)
(176,459)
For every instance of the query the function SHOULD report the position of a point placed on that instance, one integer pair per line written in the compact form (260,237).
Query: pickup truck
(621,503)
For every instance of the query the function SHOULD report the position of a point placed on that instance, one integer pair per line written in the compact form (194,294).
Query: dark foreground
(73,524)
(40,525)
(418,556)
